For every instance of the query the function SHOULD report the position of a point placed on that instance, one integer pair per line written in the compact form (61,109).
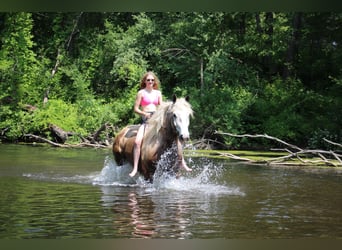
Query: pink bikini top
(149,98)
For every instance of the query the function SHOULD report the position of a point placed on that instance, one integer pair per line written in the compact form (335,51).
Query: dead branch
(206,143)
(333,143)
(337,156)
(324,156)
(39,138)
(74,30)
(61,137)
(97,133)
(64,145)
(261,136)
(235,157)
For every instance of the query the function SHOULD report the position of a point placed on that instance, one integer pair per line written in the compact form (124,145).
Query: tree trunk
(268,59)
(258,26)
(201,74)
(292,49)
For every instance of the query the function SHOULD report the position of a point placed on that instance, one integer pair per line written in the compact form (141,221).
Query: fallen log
(60,137)
(59,134)
(39,138)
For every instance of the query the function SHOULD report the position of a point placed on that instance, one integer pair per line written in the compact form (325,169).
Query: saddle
(132,131)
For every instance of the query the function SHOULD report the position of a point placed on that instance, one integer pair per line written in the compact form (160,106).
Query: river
(49,193)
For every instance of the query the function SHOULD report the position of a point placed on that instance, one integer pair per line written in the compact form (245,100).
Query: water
(81,193)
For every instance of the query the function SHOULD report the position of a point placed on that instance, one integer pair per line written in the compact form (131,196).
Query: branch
(73,32)
(175,51)
(235,157)
(39,138)
(66,145)
(333,143)
(299,152)
(261,136)
(97,133)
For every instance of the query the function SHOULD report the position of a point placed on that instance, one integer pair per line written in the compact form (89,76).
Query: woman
(146,103)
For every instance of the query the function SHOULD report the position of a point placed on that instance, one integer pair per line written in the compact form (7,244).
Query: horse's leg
(118,159)
(145,173)
(117,151)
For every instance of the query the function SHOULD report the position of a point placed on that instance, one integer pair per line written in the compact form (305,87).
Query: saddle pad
(132,131)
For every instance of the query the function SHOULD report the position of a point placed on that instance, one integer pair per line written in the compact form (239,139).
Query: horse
(166,131)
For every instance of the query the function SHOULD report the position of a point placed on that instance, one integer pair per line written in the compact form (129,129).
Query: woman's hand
(147,115)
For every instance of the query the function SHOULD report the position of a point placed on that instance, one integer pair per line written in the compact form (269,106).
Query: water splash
(204,179)
(114,175)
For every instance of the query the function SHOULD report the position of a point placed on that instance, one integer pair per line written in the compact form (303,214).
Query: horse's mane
(156,122)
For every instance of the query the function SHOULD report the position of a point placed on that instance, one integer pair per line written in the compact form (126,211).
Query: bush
(219,109)
(56,112)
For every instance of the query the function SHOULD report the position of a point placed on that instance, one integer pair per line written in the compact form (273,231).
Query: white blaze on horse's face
(181,122)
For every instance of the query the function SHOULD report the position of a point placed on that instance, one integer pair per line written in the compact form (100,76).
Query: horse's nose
(184,137)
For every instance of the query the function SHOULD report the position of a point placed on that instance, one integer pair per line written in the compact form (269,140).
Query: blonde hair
(143,80)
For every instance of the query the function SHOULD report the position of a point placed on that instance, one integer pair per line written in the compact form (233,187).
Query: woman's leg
(136,153)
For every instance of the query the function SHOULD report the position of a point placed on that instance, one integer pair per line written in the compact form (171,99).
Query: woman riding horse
(147,98)
(167,130)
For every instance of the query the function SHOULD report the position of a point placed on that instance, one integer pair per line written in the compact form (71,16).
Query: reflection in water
(140,214)
(168,208)
(58,193)
(143,224)
(132,215)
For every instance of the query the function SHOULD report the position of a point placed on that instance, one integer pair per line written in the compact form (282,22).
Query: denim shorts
(144,119)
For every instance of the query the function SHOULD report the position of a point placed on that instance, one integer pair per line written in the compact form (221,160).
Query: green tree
(18,64)
(261,72)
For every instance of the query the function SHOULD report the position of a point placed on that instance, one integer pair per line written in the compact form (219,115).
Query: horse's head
(173,117)
(181,112)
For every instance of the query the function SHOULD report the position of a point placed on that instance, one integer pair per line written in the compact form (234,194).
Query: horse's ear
(187,98)
(174,98)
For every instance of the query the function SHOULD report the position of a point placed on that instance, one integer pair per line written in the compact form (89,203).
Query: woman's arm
(137,105)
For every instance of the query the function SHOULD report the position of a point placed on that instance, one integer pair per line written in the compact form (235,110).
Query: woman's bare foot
(134,172)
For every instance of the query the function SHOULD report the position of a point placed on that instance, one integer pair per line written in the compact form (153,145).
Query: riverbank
(274,158)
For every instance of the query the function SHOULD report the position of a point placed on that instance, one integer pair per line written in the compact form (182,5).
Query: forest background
(256,73)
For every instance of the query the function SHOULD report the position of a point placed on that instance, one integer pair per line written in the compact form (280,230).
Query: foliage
(57,112)
(220,109)
(262,72)
(18,64)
